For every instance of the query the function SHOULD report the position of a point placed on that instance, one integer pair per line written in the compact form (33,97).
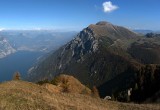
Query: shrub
(65,85)
(84,91)
(43,82)
(16,76)
(95,92)
(55,81)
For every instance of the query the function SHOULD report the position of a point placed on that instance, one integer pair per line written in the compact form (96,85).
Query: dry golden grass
(71,85)
(52,88)
(21,95)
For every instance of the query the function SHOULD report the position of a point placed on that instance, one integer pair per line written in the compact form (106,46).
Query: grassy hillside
(21,95)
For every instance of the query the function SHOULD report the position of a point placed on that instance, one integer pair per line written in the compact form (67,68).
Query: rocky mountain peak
(110,30)
(103,23)
(89,43)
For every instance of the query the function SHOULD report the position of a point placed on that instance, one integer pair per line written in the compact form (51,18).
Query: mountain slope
(89,54)
(144,84)
(146,50)
(21,95)
(5,48)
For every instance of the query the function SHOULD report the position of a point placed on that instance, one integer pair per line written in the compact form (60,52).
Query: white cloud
(109,7)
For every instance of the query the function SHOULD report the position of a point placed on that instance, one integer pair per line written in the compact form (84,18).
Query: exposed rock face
(5,48)
(84,43)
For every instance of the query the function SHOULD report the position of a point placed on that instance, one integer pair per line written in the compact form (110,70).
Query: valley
(21,49)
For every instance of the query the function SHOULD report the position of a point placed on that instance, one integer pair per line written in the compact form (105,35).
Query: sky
(77,14)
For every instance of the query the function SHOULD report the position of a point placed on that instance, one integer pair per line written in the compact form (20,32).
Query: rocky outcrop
(84,43)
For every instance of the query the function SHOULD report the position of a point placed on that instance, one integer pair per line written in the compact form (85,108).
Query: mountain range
(34,40)
(110,57)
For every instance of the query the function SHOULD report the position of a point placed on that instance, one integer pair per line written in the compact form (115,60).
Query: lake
(20,61)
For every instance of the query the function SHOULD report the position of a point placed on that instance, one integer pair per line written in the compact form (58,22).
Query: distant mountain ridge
(34,40)
(142,31)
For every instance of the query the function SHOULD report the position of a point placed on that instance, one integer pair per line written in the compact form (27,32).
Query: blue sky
(77,14)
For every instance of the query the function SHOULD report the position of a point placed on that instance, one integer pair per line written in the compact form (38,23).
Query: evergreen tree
(16,76)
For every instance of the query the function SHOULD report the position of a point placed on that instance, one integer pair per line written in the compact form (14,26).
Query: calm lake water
(20,61)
